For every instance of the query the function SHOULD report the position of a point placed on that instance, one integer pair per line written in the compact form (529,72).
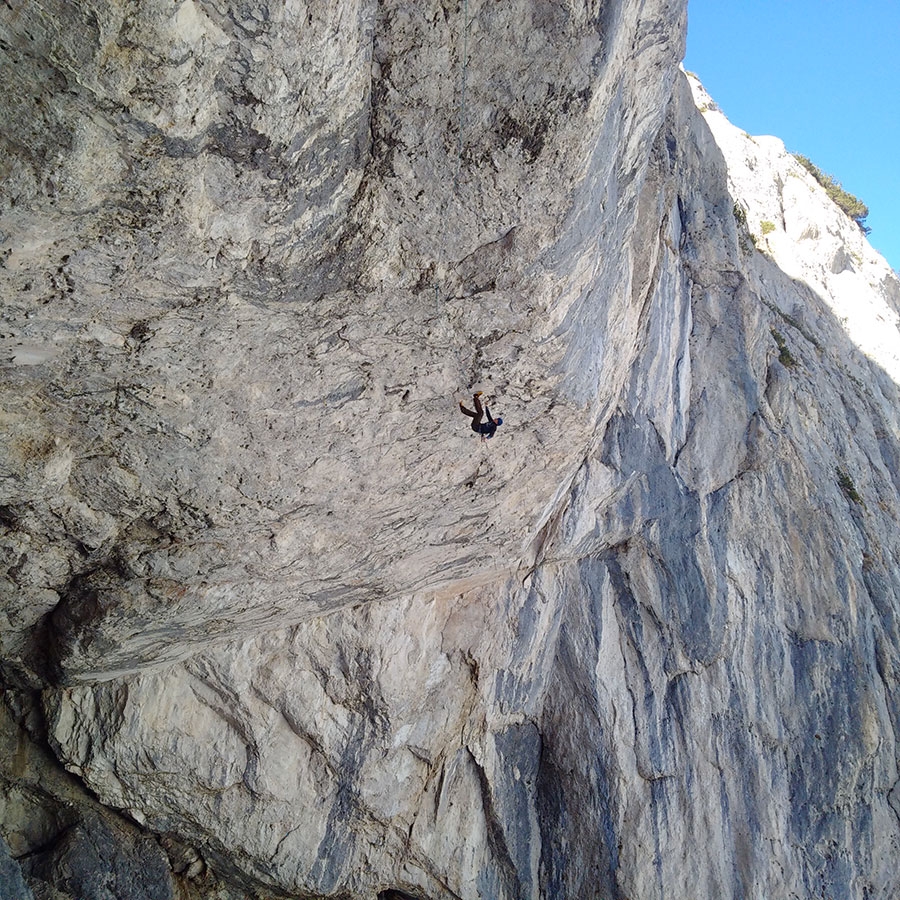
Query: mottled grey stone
(93,860)
(12,884)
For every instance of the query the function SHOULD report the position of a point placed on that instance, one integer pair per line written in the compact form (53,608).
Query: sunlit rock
(288,614)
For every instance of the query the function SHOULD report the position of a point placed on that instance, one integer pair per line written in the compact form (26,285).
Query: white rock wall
(235,359)
(644,644)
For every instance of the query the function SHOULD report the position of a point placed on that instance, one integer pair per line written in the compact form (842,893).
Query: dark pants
(476,416)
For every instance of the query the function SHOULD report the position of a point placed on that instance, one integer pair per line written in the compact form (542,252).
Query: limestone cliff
(276,622)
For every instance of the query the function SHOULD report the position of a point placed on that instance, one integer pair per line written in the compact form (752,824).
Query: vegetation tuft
(766,227)
(746,240)
(785,357)
(852,206)
(848,487)
(794,323)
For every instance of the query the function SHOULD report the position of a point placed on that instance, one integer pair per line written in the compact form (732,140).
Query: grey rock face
(237,334)
(285,609)
(94,862)
(12,884)
(63,844)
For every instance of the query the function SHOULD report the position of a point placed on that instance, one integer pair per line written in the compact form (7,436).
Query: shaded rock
(245,410)
(12,883)
(94,860)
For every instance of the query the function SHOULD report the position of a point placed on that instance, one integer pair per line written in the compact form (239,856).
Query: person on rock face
(486,429)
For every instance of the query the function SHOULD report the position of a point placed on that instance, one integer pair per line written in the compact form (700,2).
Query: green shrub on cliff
(852,206)
(848,487)
(785,357)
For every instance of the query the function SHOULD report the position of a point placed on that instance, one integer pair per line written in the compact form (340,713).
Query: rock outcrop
(262,251)
(289,627)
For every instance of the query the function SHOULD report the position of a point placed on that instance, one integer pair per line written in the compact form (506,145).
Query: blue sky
(822,75)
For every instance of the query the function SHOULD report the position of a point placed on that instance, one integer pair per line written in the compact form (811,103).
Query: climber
(485,429)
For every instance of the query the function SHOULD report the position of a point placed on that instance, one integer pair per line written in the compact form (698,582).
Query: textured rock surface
(644,644)
(252,258)
(63,844)
(12,884)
